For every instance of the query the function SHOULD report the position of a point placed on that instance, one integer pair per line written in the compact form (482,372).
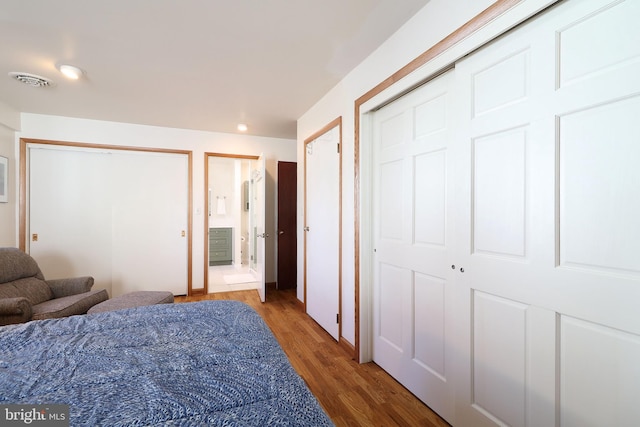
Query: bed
(212,363)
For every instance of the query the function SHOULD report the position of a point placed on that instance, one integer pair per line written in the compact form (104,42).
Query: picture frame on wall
(4,178)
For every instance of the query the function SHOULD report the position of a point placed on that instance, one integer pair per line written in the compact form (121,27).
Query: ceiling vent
(31,79)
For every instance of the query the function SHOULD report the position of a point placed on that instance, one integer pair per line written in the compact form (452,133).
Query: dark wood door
(287,240)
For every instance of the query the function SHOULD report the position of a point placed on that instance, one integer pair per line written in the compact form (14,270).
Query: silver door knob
(280,232)
(306,229)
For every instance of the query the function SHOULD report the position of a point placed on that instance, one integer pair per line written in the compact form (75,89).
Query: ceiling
(193,64)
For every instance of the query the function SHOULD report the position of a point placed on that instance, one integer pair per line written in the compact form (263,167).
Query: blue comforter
(208,363)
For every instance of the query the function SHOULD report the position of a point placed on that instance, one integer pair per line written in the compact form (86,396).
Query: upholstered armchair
(26,295)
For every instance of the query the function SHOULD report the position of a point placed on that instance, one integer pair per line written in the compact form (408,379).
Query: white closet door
(323,233)
(549,235)
(70,214)
(116,216)
(150,222)
(412,233)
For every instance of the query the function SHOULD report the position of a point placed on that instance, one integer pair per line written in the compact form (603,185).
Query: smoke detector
(31,79)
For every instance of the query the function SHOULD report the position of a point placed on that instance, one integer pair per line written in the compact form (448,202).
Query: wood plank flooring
(352,394)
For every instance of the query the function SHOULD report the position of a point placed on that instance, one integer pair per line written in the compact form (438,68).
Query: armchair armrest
(15,310)
(72,286)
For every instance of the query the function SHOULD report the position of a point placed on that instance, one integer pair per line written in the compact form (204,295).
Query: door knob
(306,229)
(280,232)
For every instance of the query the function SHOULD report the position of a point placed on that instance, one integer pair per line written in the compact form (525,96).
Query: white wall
(110,133)
(431,24)
(9,123)
(222,182)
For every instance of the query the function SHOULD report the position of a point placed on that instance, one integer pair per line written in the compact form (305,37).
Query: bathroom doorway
(232,238)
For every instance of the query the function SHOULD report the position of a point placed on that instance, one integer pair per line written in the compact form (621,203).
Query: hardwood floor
(352,394)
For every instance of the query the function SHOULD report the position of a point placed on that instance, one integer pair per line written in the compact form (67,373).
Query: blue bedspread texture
(213,363)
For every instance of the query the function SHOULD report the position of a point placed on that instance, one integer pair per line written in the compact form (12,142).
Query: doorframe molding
(207,155)
(337,122)
(496,20)
(23,187)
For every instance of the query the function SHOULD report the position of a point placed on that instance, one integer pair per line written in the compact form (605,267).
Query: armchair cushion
(33,289)
(72,286)
(69,305)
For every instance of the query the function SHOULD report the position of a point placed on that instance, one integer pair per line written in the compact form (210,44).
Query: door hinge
(337,317)
(338,147)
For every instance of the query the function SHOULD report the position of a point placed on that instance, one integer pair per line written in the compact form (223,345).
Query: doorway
(230,253)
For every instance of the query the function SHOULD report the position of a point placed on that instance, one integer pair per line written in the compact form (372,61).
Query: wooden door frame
(329,126)
(207,156)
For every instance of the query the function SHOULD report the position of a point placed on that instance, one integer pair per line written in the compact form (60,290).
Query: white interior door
(258,191)
(322,210)
(70,214)
(412,240)
(155,187)
(549,232)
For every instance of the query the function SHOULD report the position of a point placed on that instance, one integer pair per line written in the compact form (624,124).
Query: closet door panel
(412,290)
(604,353)
(500,194)
(70,214)
(586,51)
(593,143)
(430,206)
(150,246)
(497,349)
(501,236)
(550,247)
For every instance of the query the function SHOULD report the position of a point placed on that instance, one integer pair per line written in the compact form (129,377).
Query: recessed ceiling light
(70,71)
(31,79)
(242,127)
